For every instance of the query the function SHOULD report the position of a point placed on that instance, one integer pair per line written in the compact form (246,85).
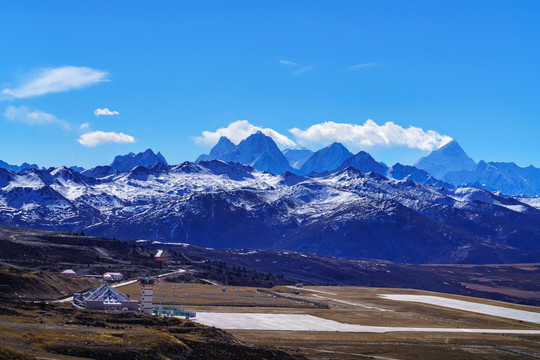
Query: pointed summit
(147,159)
(262,153)
(221,151)
(365,163)
(258,151)
(450,157)
(326,159)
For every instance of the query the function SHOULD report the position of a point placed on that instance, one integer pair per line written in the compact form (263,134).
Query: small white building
(113,276)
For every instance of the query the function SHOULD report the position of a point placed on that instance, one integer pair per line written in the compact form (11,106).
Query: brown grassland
(360,305)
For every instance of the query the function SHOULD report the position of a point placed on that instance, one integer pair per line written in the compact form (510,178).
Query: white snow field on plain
(500,311)
(302,322)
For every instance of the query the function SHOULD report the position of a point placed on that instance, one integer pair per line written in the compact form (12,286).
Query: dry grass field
(58,331)
(362,306)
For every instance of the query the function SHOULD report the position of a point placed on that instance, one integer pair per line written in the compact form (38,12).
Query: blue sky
(173,70)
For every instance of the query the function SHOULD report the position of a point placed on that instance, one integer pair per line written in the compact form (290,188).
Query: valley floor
(357,322)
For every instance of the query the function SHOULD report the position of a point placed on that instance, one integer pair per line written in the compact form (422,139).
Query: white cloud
(54,80)
(287,62)
(238,131)
(299,71)
(370,134)
(32,117)
(362,66)
(105,111)
(303,69)
(92,139)
(84,126)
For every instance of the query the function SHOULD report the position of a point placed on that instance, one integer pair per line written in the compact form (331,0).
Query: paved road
(312,290)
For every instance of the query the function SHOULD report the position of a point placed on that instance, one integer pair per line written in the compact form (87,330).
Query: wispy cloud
(238,131)
(370,134)
(300,69)
(84,126)
(92,139)
(27,116)
(54,80)
(303,69)
(105,111)
(362,66)
(287,62)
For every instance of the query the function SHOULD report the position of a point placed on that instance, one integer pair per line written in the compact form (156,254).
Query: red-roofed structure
(160,256)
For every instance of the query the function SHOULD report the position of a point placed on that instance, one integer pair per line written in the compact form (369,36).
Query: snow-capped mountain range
(346,205)
(220,204)
(448,166)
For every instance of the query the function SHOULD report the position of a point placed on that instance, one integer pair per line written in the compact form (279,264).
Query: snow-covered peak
(64,174)
(258,151)
(450,157)
(221,151)
(326,159)
(262,153)
(363,162)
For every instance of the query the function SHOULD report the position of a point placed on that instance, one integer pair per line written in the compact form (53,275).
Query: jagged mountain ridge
(220,204)
(406,172)
(497,176)
(16,168)
(305,162)
(131,160)
(257,150)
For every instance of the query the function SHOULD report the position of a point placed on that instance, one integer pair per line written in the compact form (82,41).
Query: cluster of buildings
(105,297)
(108,276)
